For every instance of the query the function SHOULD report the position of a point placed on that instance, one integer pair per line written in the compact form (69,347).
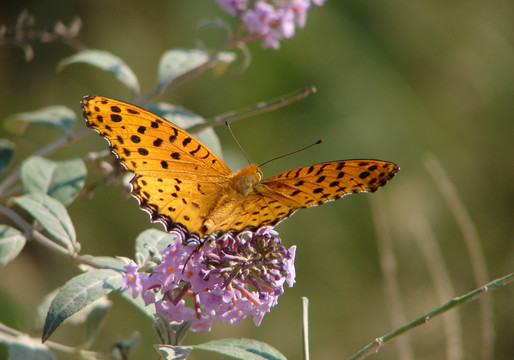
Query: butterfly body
(233,194)
(181,182)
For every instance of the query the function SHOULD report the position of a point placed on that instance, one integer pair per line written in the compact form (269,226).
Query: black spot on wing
(116,118)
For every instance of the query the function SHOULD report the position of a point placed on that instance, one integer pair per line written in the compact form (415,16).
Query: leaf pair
(173,64)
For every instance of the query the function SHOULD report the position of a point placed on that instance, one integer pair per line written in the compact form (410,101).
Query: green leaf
(153,239)
(78,293)
(170,352)
(61,180)
(59,116)
(242,349)
(106,61)
(52,215)
(11,243)
(185,119)
(78,318)
(6,154)
(26,348)
(177,62)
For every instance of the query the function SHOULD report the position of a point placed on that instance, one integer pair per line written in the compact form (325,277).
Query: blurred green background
(396,80)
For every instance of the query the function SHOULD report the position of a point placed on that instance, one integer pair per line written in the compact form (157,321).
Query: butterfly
(181,183)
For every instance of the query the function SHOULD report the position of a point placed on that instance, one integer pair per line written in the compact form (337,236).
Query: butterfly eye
(259,172)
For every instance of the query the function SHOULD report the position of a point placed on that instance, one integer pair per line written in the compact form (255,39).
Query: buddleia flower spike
(234,277)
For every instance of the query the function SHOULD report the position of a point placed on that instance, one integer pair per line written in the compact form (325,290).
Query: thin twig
(259,108)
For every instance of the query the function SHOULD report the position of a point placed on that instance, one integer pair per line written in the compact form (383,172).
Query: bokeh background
(397,80)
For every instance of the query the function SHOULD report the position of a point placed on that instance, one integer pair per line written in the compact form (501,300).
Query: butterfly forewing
(177,176)
(317,184)
(149,144)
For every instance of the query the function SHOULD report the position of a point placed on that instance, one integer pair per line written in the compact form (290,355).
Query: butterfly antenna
(293,152)
(237,142)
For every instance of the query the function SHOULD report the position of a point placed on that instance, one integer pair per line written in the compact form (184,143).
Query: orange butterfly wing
(279,196)
(181,183)
(177,177)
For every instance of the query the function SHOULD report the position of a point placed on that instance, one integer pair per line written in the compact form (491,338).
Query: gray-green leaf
(78,293)
(59,116)
(177,62)
(106,61)
(6,154)
(11,243)
(61,180)
(247,349)
(153,239)
(170,352)
(52,215)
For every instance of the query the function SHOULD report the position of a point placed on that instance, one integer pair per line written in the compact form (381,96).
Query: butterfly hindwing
(254,212)
(173,201)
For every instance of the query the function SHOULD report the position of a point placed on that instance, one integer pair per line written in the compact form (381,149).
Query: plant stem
(305,327)
(261,107)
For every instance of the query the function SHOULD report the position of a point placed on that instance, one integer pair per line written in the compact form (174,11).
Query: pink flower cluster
(236,277)
(270,20)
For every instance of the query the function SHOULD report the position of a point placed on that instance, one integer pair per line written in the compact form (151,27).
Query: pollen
(171,269)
